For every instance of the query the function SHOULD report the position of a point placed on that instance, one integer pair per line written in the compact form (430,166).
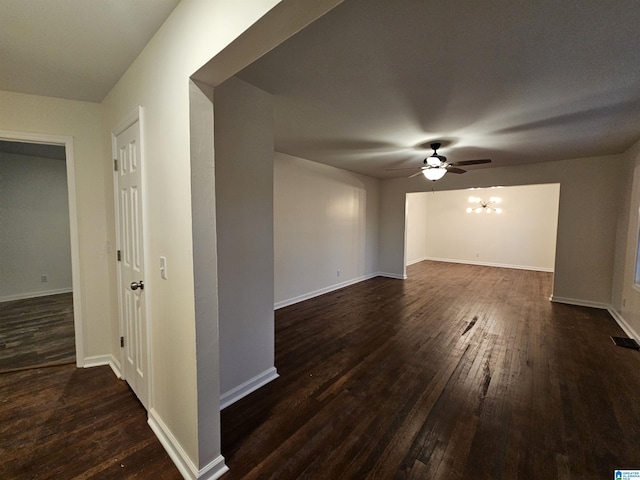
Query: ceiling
(368,86)
(74,49)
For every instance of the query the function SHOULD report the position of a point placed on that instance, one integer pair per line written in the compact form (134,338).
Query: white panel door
(131,264)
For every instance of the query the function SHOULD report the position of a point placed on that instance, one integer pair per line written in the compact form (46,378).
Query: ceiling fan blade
(471,162)
(415,174)
(455,170)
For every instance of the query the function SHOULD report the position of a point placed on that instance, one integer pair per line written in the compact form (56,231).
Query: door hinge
(121,342)
(119,256)
(115,164)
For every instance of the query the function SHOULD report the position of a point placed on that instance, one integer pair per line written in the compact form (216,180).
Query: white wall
(34,237)
(590,197)
(243,128)
(325,221)
(625,300)
(417,227)
(158,80)
(522,236)
(37,115)
(184,376)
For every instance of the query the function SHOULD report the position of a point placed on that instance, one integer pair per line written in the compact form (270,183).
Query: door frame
(67,143)
(136,116)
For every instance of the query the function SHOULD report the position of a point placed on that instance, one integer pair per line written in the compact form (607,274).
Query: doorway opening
(518,229)
(40,322)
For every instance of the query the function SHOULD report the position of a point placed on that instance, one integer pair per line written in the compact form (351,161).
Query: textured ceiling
(75,49)
(368,86)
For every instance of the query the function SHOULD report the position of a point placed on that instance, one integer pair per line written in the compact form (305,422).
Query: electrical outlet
(338,273)
(44,278)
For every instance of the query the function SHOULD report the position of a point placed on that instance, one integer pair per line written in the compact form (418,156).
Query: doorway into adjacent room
(512,227)
(36,285)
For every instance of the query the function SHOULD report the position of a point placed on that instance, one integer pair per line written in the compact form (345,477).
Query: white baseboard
(487,264)
(578,302)
(215,469)
(322,291)
(211,471)
(23,296)
(412,262)
(631,333)
(244,389)
(101,360)
(391,275)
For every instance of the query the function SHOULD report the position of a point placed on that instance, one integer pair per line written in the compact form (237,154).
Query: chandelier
(486,207)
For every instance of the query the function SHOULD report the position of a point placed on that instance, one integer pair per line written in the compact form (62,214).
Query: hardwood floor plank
(67,423)
(458,372)
(36,332)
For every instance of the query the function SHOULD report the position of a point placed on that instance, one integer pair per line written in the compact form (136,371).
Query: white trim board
(486,264)
(397,276)
(631,333)
(578,302)
(23,296)
(413,262)
(322,291)
(247,387)
(67,142)
(101,360)
(215,469)
(333,288)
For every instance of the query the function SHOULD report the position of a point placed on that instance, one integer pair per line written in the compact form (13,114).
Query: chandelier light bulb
(486,207)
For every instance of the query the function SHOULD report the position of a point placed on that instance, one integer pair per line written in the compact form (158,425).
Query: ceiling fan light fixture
(434,161)
(435,173)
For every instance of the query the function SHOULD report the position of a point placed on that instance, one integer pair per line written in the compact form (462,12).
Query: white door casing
(67,142)
(131,263)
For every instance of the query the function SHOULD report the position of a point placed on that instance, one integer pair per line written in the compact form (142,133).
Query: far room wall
(591,195)
(522,236)
(625,299)
(34,215)
(325,228)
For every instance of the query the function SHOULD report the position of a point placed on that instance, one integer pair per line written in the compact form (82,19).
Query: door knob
(137,285)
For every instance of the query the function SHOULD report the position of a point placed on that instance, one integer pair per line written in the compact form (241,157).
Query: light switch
(163,267)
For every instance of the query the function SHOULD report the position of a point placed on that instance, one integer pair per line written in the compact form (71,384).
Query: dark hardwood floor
(37,332)
(66,423)
(458,372)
